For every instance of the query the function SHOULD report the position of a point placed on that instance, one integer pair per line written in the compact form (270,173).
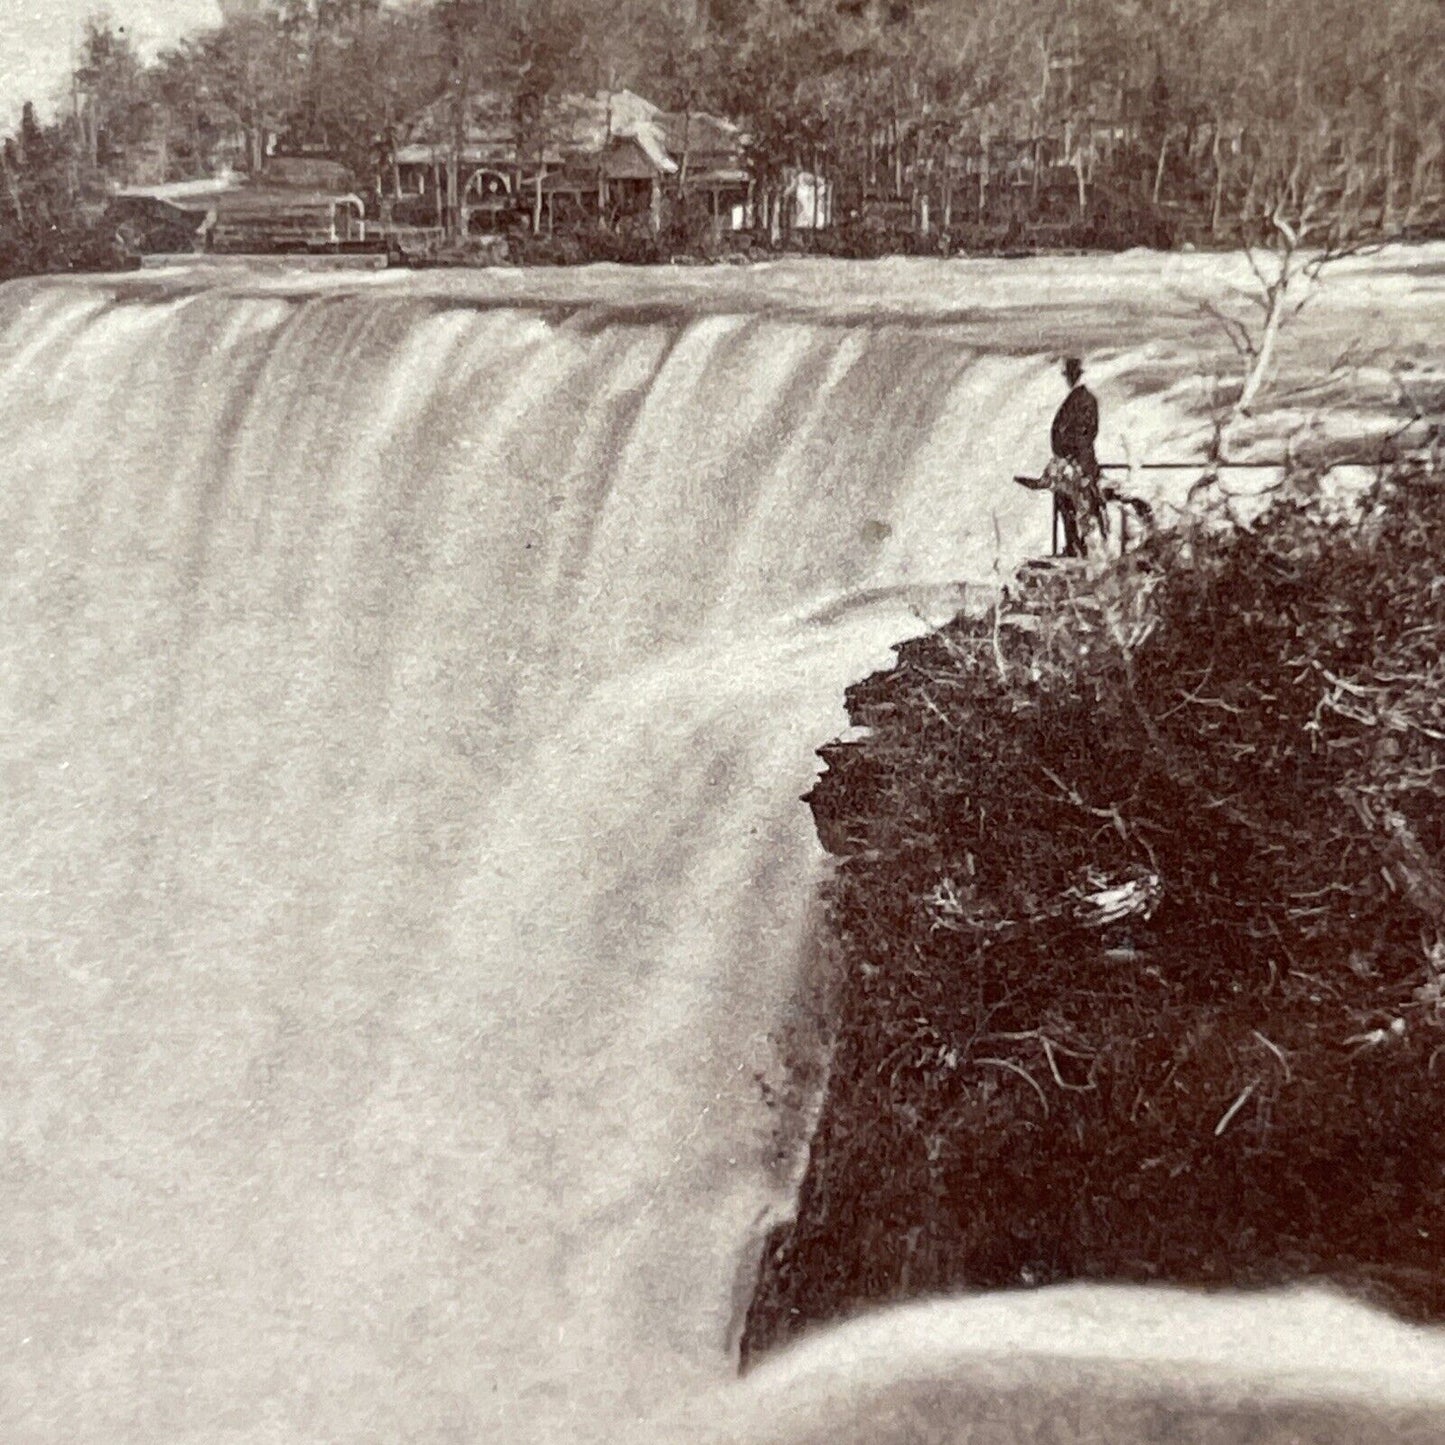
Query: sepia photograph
(722,722)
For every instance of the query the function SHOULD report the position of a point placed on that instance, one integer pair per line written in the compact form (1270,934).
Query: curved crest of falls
(406,690)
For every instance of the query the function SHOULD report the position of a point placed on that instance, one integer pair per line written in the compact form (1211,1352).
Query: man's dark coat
(1076,425)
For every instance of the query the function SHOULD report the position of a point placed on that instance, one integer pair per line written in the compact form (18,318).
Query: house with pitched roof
(481,163)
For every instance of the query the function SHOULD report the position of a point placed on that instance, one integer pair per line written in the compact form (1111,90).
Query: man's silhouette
(1073,475)
(1076,423)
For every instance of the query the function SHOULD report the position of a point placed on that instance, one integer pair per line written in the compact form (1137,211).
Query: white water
(1090,1364)
(406,689)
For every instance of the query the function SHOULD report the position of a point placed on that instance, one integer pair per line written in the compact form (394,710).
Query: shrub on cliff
(1141,892)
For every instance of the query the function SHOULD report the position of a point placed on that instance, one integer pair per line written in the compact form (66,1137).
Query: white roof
(180,190)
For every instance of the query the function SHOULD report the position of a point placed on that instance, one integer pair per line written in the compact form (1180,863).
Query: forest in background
(1126,122)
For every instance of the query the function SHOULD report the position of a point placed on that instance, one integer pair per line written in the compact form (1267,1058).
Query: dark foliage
(1000,125)
(582,247)
(46,223)
(1141,888)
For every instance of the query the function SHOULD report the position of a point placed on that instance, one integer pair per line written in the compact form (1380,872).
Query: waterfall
(405,700)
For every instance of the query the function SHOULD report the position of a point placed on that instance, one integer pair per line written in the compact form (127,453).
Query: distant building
(481,164)
(710,151)
(810,198)
(295,204)
(803,203)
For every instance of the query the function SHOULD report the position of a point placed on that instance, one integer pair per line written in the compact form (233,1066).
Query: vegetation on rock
(1140,890)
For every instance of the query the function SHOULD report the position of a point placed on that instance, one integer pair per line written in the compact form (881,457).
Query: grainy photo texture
(722,721)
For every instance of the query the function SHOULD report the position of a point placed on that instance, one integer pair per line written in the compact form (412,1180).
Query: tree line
(1208,120)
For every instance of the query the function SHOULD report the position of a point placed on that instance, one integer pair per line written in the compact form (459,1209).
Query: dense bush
(579,247)
(48,222)
(76,244)
(1140,894)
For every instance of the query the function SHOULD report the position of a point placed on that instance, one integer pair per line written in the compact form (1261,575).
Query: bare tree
(1300,160)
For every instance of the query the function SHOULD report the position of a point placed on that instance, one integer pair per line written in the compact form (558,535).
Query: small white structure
(811,200)
(804,204)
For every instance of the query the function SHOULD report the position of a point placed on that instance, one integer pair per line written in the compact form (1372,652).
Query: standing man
(1073,475)
(1076,423)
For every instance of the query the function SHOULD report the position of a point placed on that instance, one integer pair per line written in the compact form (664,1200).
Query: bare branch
(1237,332)
(1233,1109)
(1023,1073)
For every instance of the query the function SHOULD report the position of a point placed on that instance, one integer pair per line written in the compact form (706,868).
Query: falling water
(405,698)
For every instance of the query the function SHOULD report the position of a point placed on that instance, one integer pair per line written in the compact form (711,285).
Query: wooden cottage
(482,165)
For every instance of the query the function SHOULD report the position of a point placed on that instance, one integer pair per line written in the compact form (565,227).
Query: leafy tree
(1244,120)
(44,225)
(112,95)
(249,72)
(363,68)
